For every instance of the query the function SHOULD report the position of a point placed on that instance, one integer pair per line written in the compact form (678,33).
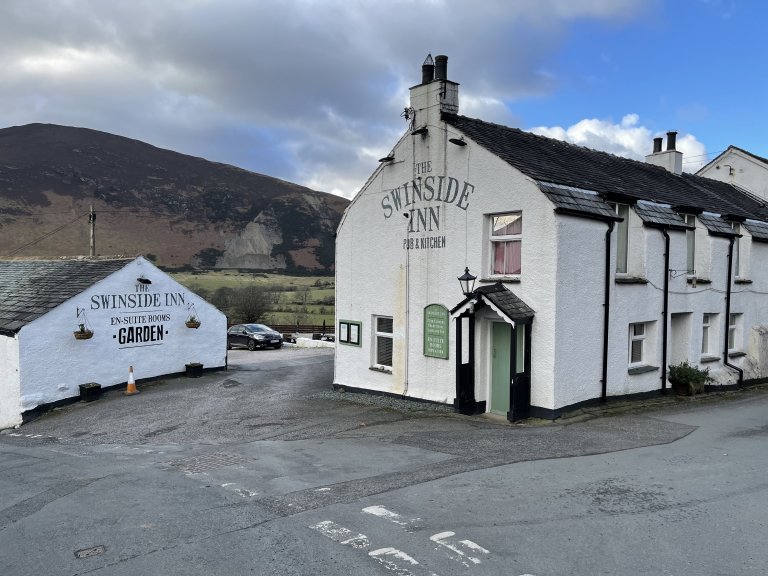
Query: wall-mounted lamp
(422,130)
(387,158)
(457,141)
(142,280)
(467,282)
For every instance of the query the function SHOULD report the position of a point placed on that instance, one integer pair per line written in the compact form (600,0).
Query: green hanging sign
(436,331)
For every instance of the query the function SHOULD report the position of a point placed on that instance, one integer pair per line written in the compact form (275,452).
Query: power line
(48,235)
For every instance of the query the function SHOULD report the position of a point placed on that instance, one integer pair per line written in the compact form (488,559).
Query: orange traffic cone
(131,388)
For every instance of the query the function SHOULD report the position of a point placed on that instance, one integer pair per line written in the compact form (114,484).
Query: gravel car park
(253,336)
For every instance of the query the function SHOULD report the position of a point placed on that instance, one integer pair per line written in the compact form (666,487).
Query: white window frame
(735,331)
(706,333)
(641,339)
(622,233)
(737,271)
(504,239)
(690,243)
(377,334)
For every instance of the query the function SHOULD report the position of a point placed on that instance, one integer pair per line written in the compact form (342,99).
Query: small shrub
(687,379)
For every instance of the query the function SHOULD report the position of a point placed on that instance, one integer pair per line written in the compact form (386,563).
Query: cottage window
(506,244)
(706,327)
(637,343)
(690,239)
(736,251)
(382,342)
(622,238)
(734,332)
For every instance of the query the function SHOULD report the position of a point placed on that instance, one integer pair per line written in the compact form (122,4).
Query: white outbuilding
(68,322)
(589,274)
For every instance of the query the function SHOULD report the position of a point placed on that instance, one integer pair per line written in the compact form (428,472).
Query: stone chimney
(669,159)
(435,94)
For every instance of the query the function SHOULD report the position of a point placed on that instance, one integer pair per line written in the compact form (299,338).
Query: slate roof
(31,288)
(556,162)
(759,230)
(716,225)
(569,200)
(504,300)
(660,216)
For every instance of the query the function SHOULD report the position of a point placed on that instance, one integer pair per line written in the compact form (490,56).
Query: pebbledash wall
(424,215)
(134,324)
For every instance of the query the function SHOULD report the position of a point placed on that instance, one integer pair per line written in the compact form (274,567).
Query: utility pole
(92,225)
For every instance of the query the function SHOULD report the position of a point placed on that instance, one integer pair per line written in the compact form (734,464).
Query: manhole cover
(88,552)
(230,383)
(206,462)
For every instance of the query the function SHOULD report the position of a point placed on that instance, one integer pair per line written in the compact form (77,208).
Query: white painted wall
(735,167)
(53,364)
(10,405)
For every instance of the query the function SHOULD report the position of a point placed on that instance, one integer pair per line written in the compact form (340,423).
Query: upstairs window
(506,244)
(690,239)
(622,238)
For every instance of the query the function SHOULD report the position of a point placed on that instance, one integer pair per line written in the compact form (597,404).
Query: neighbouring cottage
(740,168)
(69,322)
(594,272)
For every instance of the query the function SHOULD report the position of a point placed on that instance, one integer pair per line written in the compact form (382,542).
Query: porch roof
(502,300)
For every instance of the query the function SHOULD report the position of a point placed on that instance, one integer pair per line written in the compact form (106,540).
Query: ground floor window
(382,342)
(708,339)
(734,332)
(642,344)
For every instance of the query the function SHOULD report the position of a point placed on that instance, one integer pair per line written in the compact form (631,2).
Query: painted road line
(340,534)
(395,560)
(447,540)
(381,512)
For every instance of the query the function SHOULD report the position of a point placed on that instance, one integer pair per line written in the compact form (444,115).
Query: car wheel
(251,345)
(278,347)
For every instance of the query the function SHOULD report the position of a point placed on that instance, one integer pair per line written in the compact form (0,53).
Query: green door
(501,341)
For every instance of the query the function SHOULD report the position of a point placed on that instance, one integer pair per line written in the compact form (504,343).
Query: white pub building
(593,272)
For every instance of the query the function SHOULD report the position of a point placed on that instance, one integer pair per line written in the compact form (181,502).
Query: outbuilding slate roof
(504,300)
(553,161)
(31,288)
(660,216)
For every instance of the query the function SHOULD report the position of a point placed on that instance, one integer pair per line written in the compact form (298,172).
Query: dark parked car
(253,336)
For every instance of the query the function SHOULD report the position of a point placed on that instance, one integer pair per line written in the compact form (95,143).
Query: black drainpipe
(728,314)
(664,314)
(606,310)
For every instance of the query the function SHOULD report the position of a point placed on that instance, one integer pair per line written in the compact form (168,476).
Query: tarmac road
(262,470)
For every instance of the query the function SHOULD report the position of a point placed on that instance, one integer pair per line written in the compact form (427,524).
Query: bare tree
(251,304)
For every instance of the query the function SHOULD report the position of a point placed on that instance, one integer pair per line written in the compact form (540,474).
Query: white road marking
(382,512)
(394,560)
(455,552)
(322,490)
(340,534)
(234,487)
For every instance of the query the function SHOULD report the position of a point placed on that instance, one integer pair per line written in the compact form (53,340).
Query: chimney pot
(657,144)
(441,67)
(671,140)
(428,70)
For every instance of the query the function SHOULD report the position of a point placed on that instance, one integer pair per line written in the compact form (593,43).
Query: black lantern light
(467,282)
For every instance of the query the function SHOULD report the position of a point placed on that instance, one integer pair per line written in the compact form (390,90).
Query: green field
(302,299)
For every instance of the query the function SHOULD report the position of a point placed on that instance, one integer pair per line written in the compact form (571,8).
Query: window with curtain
(506,244)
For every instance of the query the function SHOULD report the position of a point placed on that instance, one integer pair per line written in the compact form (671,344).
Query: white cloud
(628,139)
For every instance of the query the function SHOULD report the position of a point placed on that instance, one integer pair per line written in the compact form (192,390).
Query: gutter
(606,310)
(728,314)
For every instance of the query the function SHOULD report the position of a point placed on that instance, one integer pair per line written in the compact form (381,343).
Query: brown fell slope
(182,209)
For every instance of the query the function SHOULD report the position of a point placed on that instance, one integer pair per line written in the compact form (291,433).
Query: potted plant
(194,369)
(83,333)
(686,379)
(192,322)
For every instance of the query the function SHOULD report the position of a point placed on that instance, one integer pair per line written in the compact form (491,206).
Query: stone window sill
(631,280)
(382,369)
(502,279)
(742,281)
(736,354)
(641,369)
(705,359)
(699,281)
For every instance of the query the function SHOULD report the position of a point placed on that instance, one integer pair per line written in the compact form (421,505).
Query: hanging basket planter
(83,334)
(192,323)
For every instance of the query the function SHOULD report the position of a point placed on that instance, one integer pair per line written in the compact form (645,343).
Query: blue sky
(311,90)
